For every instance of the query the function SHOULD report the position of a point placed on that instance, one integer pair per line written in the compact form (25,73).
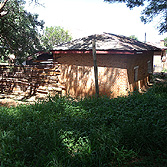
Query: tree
(53,36)
(165,40)
(133,37)
(19,31)
(3,3)
(153,8)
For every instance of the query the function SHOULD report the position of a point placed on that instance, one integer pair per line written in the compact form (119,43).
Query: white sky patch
(87,17)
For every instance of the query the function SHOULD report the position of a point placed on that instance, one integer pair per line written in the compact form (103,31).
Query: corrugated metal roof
(106,41)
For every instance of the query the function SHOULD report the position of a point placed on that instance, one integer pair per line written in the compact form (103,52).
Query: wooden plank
(42,91)
(31,76)
(51,74)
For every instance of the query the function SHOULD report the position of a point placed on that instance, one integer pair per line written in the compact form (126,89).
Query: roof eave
(109,51)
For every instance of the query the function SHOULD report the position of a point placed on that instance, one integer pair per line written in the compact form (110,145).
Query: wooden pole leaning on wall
(95,67)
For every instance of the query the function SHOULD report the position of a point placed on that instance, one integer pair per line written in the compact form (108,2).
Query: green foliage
(133,37)
(165,41)
(3,59)
(153,8)
(127,131)
(53,36)
(19,31)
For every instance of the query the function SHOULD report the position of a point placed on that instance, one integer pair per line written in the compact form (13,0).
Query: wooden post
(95,68)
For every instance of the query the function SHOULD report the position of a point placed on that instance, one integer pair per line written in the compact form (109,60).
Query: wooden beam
(108,52)
(95,67)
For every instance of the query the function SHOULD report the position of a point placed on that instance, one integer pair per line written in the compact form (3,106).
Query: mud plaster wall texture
(140,60)
(77,73)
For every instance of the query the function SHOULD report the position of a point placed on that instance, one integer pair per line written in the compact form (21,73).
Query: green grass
(127,131)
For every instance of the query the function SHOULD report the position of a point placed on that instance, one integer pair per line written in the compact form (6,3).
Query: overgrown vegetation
(127,131)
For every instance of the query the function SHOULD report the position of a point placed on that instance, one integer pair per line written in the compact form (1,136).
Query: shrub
(127,131)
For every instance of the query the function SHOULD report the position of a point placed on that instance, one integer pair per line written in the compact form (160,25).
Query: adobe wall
(77,74)
(115,73)
(140,60)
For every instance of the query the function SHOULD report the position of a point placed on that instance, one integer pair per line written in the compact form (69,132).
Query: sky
(88,17)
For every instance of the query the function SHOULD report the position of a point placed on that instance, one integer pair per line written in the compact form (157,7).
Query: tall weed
(127,131)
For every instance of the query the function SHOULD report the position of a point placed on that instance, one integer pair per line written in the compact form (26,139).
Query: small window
(136,73)
(149,69)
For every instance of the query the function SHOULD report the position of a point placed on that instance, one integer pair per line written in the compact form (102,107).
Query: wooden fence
(41,78)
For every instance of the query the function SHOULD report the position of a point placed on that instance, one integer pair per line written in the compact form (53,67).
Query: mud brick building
(123,65)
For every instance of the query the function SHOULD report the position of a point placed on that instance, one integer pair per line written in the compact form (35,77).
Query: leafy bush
(127,131)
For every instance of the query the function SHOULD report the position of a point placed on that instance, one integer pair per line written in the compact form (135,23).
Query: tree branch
(2,5)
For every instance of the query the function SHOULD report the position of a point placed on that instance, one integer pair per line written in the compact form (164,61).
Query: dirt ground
(15,99)
(160,77)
